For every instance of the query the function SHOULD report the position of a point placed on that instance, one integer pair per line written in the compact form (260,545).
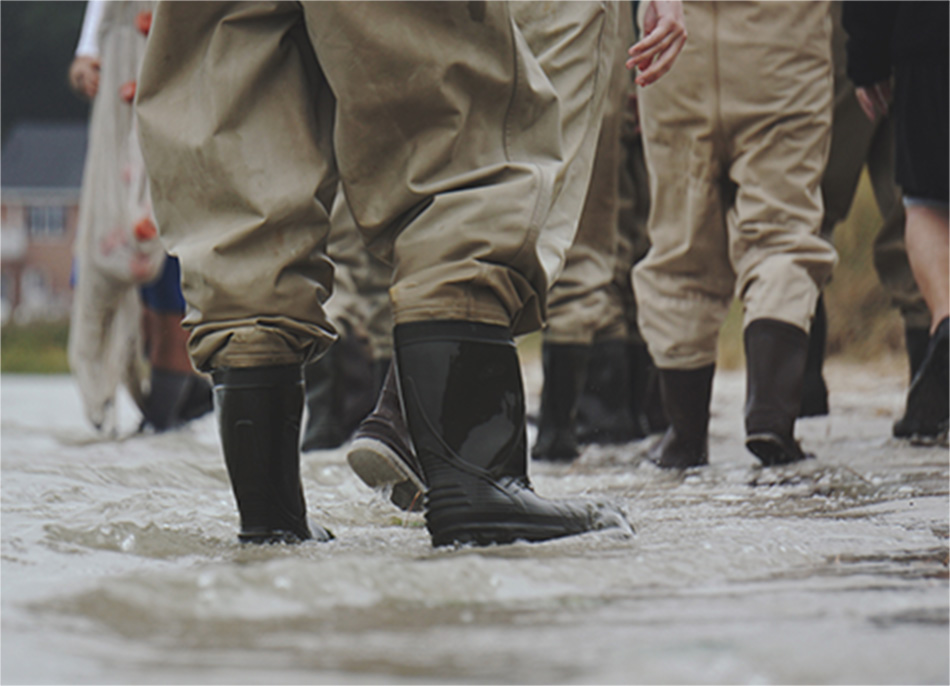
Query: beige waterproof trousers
(736,137)
(583,305)
(439,122)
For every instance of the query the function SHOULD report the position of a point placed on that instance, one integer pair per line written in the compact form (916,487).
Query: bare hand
(874,100)
(84,76)
(664,37)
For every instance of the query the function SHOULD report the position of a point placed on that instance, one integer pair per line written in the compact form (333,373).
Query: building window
(47,221)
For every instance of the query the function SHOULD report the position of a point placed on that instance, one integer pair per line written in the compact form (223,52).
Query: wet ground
(120,565)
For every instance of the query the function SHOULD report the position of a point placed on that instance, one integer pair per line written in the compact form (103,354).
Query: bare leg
(928,249)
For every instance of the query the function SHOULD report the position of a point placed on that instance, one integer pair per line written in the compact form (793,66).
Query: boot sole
(500,534)
(379,466)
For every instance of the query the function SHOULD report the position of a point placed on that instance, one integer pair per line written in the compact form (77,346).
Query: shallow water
(120,564)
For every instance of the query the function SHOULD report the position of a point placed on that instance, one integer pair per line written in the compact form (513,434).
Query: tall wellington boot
(324,428)
(639,380)
(775,364)
(646,401)
(565,367)
(604,412)
(916,341)
(380,373)
(199,398)
(175,398)
(259,411)
(926,416)
(464,404)
(814,389)
(167,394)
(340,392)
(685,394)
(381,452)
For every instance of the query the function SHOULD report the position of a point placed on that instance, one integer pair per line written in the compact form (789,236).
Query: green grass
(34,349)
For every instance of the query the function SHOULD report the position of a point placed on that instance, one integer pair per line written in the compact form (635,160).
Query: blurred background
(43,149)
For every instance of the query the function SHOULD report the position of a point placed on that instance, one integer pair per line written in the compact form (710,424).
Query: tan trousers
(582,304)
(634,241)
(736,138)
(361,281)
(248,111)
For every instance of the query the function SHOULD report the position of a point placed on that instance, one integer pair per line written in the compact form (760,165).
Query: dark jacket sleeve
(870,27)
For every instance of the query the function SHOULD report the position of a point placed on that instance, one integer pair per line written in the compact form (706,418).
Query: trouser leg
(234,119)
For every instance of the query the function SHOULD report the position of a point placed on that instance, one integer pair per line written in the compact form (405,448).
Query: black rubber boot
(927,399)
(259,411)
(199,398)
(174,399)
(646,403)
(341,391)
(380,370)
(775,365)
(381,452)
(604,412)
(324,396)
(565,367)
(464,404)
(916,341)
(685,394)
(814,389)
(642,379)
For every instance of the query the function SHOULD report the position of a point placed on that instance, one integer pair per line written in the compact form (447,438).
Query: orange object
(145,229)
(143,22)
(127,91)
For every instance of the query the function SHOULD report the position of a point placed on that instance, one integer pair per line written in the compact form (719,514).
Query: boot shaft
(461,388)
(464,404)
(565,368)
(259,411)
(685,394)
(776,356)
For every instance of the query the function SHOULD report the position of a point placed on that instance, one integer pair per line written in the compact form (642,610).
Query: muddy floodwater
(120,563)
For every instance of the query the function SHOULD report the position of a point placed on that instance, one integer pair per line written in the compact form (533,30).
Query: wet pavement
(120,564)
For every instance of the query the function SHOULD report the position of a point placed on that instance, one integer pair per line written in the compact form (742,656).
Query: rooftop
(45,156)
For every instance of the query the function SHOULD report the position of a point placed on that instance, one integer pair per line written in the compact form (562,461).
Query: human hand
(664,37)
(874,100)
(84,76)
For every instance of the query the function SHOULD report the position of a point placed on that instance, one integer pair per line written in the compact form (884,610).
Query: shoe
(464,405)
(565,367)
(381,452)
(259,411)
(604,414)
(685,394)
(775,365)
(928,406)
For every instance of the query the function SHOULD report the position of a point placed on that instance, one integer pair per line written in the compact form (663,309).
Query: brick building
(40,177)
